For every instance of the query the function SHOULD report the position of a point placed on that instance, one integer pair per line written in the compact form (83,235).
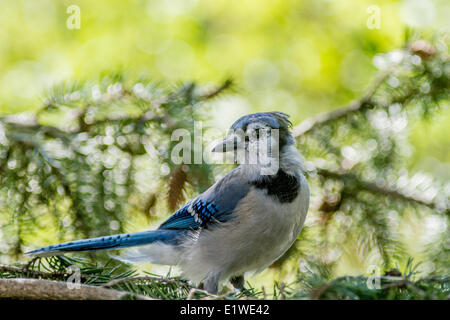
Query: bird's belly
(270,230)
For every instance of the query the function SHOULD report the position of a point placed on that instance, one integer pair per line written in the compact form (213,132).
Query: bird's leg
(238,282)
(211,284)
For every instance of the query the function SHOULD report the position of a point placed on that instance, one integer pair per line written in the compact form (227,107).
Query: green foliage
(83,170)
(122,278)
(392,285)
(309,285)
(358,156)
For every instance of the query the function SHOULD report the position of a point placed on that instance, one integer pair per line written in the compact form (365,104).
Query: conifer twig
(143,278)
(38,274)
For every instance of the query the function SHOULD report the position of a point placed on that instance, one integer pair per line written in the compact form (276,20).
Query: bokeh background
(299,57)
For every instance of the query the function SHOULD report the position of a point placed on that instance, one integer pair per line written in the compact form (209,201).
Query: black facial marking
(283,186)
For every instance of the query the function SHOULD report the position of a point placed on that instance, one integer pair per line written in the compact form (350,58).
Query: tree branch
(372,187)
(21,288)
(31,124)
(215,92)
(326,117)
(366,101)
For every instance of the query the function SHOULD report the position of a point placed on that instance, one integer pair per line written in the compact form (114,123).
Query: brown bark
(37,289)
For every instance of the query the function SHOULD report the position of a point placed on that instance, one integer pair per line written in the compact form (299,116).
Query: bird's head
(259,135)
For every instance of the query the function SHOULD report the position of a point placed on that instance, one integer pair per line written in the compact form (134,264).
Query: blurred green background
(299,57)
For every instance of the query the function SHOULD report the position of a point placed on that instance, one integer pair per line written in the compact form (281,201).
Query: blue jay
(244,222)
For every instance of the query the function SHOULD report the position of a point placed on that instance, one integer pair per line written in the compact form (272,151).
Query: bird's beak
(228,144)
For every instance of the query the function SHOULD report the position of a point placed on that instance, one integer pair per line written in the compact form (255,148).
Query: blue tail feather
(112,242)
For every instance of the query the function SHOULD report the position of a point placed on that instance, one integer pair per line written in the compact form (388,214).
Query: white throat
(290,161)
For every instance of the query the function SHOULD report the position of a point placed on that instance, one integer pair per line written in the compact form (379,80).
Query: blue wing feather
(181,219)
(193,215)
(216,203)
